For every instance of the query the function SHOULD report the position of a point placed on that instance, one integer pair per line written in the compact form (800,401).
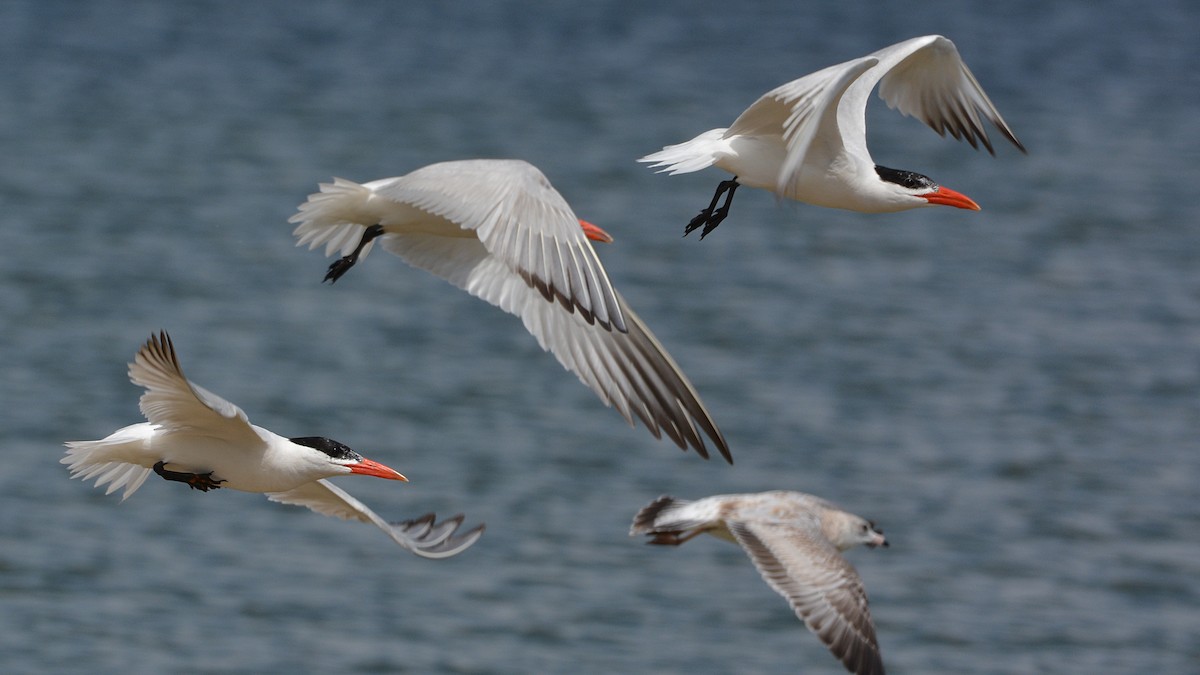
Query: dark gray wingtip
(431,539)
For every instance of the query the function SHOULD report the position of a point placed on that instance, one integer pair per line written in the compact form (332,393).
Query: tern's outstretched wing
(422,536)
(177,405)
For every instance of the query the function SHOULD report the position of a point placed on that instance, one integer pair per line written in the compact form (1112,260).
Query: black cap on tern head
(334,449)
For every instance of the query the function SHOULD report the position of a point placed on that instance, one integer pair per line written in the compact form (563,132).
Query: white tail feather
(694,155)
(114,460)
(336,217)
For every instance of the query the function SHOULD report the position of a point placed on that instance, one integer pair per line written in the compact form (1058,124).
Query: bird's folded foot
(715,219)
(709,219)
(343,264)
(197,481)
(700,220)
(712,216)
(340,267)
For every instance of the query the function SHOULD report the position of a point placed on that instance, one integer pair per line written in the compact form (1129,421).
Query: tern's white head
(331,454)
(912,187)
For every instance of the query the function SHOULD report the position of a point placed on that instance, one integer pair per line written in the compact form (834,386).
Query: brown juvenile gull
(795,541)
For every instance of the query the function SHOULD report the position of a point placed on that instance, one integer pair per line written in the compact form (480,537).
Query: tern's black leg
(711,217)
(197,481)
(343,265)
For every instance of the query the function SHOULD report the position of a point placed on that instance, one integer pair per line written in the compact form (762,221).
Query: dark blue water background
(1014,394)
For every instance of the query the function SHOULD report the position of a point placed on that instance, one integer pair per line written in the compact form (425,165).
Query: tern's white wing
(926,78)
(177,405)
(629,370)
(822,587)
(422,536)
(804,109)
(522,221)
(498,230)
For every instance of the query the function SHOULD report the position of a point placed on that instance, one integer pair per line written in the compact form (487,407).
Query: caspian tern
(807,140)
(795,541)
(498,230)
(212,445)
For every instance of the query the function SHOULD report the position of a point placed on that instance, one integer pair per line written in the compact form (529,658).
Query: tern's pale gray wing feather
(926,78)
(821,586)
(421,536)
(800,111)
(436,538)
(628,370)
(522,221)
(177,405)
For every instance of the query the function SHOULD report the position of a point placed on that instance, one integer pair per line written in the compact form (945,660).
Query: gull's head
(912,187)
(850,530)
(869,535)
(340,459)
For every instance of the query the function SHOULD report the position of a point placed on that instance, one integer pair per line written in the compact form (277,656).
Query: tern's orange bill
(595,233)
(369,467)
(947,197)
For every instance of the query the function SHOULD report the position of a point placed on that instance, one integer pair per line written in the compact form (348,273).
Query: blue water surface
(1013,395)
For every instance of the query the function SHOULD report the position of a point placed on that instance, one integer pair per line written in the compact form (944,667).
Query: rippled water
(1011,394)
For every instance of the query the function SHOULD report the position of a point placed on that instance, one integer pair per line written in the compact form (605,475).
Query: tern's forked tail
(112,460)
(335,217)
(694,155)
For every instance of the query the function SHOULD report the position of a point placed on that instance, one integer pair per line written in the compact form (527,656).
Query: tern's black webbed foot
(712,216)
(343,265)
(197,481)
(340,267)
(701,219)
(710,221)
